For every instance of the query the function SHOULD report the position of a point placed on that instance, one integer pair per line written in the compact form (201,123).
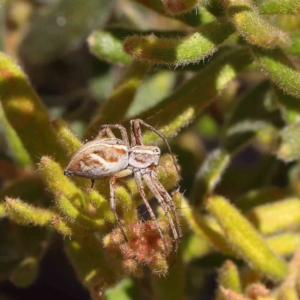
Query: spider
(115,158)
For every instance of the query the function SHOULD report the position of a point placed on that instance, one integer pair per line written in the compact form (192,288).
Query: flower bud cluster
(144,246)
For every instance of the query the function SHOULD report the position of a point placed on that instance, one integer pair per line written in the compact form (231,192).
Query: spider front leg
(153,188)
(137,139)
(106,129)
(123,173)
(138,180)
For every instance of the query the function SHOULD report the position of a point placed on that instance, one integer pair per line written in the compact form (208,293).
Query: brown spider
(115,158)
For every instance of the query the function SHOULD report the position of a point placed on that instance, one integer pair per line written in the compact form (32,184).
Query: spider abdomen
(99,159)
(144,156)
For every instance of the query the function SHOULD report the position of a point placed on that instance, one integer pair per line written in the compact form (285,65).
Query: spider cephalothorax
(115,158)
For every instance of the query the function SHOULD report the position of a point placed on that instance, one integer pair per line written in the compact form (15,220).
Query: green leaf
(279,7)
(280,69)
(264,217)
(284,244)
(26,214)
(56,182)
(179,51)
(245,240)
(253,27)
(71,214)
(228,278)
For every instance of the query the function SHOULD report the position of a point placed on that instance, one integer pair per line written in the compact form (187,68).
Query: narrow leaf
(244,239)
(228,278)
(265,219)
(68,141)
(73,215)
(26,214)
(253,27)
(280,69)
(57,182)
(284,244)
(179,51)
(280,7)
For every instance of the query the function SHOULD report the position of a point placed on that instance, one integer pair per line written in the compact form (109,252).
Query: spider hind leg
(166,196)
(138,179)
(155,189)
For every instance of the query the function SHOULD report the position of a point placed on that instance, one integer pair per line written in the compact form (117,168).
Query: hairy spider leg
(147,178)
(139,183)
(164,193)
(136,137)
(112,202)
(153,183)
(106,129)
(135,134)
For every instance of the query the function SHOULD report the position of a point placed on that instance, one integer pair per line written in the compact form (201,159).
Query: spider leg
(92,183)
(139,183)
(135,134)
(136,137)
(153,188)
(106,129)
(164,193)
(112,201)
